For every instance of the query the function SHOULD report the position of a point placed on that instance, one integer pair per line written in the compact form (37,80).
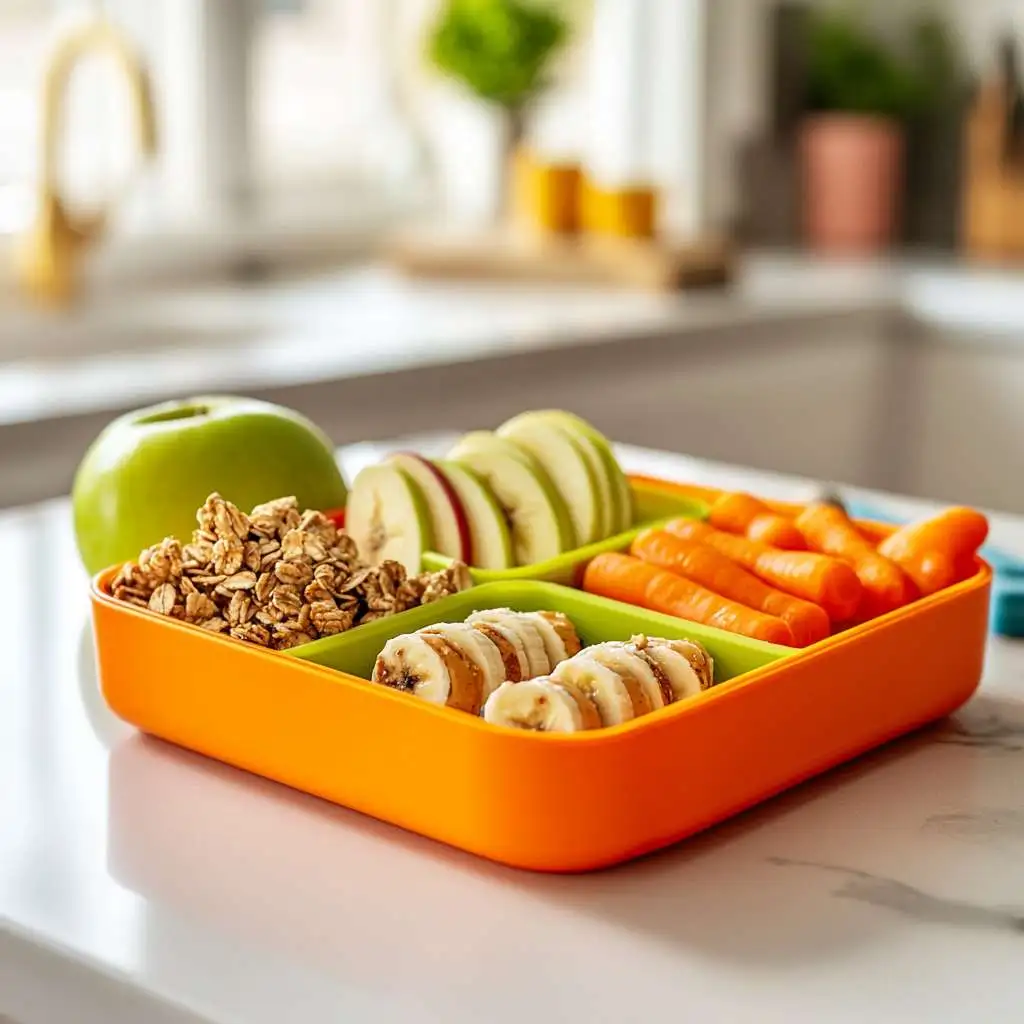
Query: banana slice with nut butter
(541,705)
(526,670)
(617,698)
(478,647)
(527,632)
(432,668)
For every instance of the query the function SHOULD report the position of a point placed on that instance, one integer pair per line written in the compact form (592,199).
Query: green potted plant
(502,52)
(859,94)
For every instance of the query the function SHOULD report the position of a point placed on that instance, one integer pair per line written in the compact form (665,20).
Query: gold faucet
(50,255)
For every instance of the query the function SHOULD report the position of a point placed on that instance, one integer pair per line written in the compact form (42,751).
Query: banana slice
(510,647)
(480,649)
(687,665)
(668,694)
(616,699)
(555,646)
(537,663)
(630,665)
(541,705)
(562,625)
(431,668)
(696,654)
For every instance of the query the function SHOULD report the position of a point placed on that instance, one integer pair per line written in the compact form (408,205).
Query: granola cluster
(277,577)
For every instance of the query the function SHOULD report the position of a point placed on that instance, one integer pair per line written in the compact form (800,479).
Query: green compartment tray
(650,506)
(597,619)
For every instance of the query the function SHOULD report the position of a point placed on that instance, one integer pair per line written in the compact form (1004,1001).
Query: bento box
(560,803)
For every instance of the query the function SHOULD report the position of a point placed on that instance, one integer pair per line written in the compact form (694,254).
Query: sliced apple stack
(409,504)
(544,483)
(448,523)
(490,542)
(538,519)
(580,461)
(387,517)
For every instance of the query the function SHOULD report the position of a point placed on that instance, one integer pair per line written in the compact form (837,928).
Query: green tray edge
(650,507)
(596,618)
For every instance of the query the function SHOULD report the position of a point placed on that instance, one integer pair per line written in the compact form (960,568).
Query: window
(282,112)
(330,83)
(282,119)
(24,28)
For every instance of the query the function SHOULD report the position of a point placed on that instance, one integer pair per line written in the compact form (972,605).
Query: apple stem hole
(181,412)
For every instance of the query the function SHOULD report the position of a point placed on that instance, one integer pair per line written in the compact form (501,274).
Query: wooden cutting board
(628,263)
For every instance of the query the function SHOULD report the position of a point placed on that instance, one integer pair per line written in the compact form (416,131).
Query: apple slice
(448,522)
(607,506)
(486,440)
(489,536)
(537,516)
(387,517)
(566,463)
(622,494)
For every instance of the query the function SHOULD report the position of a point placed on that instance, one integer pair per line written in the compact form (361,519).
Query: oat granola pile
(277,577)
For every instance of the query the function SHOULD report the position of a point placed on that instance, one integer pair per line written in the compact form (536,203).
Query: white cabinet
(852,398)
(803,399)
(964,441)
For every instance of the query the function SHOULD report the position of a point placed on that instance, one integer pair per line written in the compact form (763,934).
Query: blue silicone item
(1006,616)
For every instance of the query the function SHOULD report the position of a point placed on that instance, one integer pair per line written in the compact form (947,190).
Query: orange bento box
(560,803)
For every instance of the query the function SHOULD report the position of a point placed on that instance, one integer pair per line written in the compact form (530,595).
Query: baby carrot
(625,578)
(940,550)
(702,564)
(829,531)
(817,578)
(746,515)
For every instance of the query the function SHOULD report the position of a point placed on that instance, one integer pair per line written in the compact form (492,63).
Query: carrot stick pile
(629,579)
(829,530)
(707,566)
(787,580)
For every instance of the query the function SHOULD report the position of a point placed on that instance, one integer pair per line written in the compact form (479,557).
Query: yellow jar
(623,212)
(547,195)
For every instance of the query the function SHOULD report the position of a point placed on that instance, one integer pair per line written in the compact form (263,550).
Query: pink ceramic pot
(852,171)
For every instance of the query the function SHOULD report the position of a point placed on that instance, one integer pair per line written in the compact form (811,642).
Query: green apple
(147,473)
(622,494)
(387,517)
(448,522)
(568,466)
(490,538)
(537,516)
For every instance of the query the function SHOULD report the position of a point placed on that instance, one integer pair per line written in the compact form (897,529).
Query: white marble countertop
(141,882)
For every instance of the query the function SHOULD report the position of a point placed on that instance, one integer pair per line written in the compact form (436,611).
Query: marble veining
(987,723)
(985,823)
(910,901)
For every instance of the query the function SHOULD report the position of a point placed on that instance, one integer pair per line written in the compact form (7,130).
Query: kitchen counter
(871,363)
(364,352)
(363,321)
(141,882)
(367,319)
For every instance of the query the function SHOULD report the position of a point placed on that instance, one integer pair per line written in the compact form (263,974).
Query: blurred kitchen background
(787,235)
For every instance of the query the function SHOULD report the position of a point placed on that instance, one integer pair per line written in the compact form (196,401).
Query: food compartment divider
(650,506)
(596,619)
